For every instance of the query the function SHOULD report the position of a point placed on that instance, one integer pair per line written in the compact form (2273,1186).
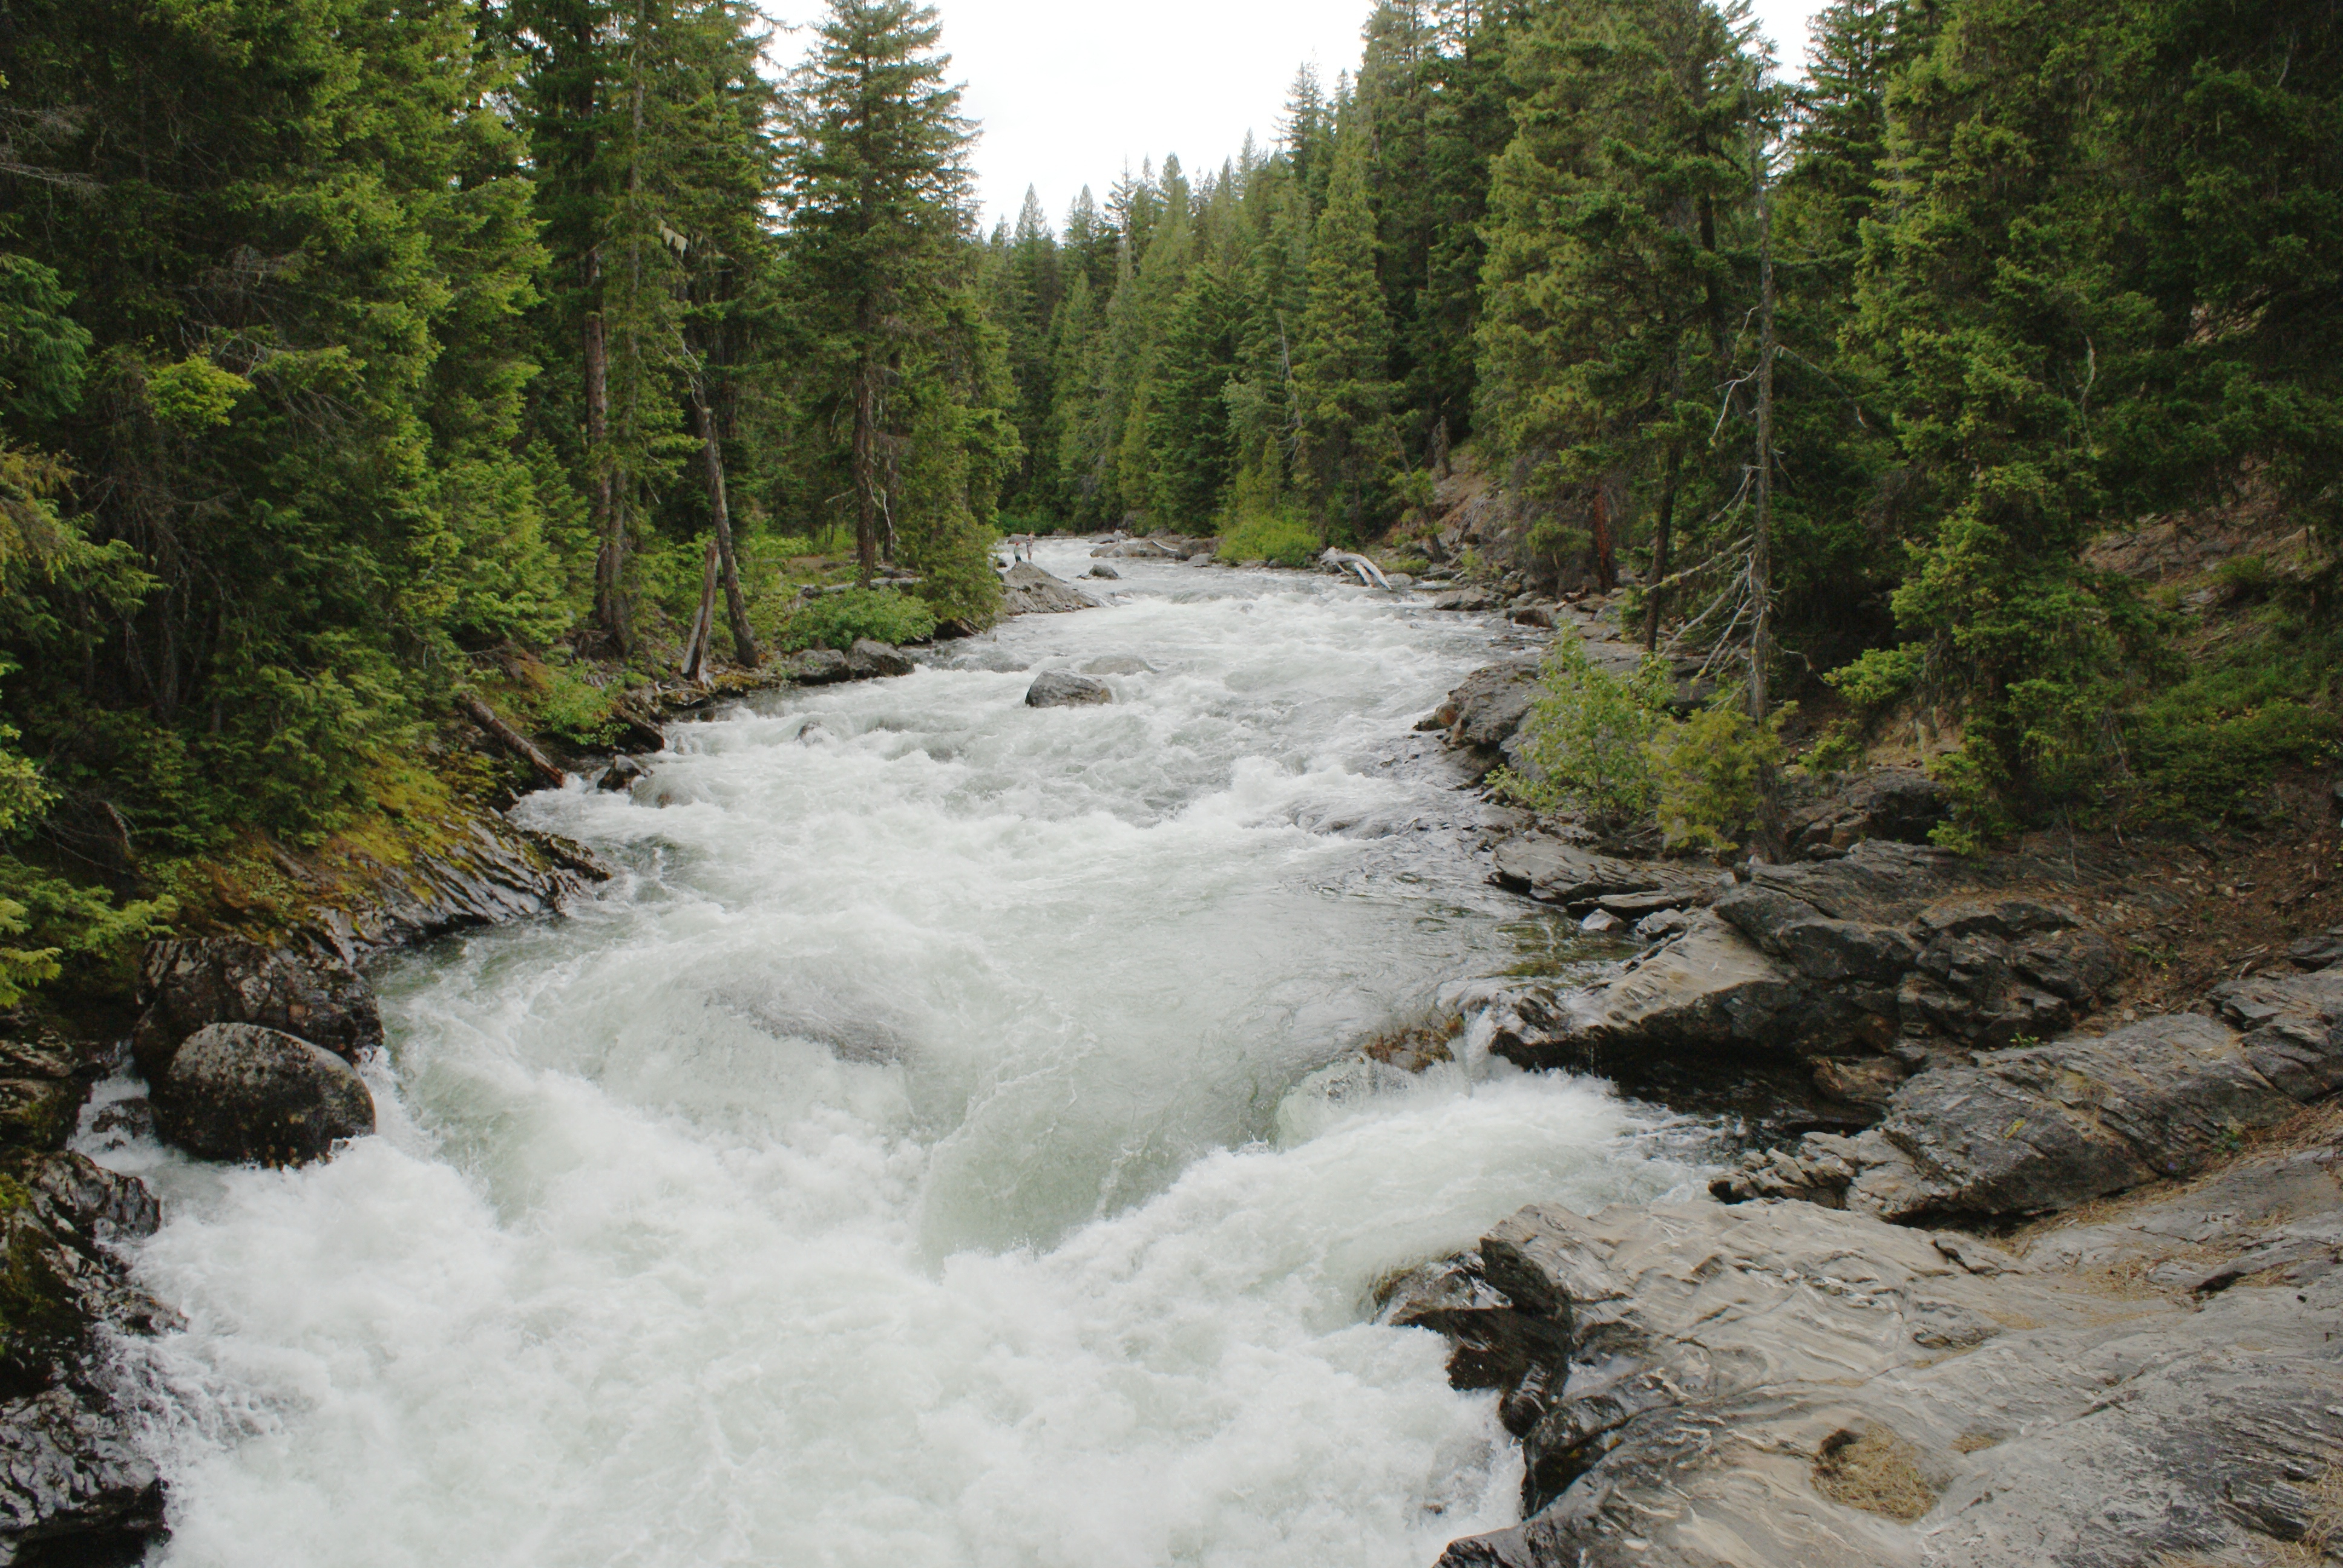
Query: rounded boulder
(1056,688)
(241,1091)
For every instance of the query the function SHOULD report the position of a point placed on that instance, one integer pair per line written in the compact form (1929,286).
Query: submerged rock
(189,983)
(240,1092)
(1058,688)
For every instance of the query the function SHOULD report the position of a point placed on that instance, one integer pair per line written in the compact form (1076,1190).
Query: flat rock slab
(1779,1385)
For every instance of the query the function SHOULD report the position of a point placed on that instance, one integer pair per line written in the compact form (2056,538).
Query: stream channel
(943,1144)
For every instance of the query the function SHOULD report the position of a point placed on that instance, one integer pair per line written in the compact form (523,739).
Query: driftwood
(1369,573)
(512,741)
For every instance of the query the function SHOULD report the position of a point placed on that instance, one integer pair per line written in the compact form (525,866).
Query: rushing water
(936,1147)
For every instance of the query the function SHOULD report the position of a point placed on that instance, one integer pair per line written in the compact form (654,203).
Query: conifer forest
(362,361)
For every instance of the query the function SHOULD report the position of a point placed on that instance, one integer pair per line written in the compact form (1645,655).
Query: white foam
(921,1156)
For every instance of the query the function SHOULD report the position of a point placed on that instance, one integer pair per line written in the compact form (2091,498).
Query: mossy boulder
(240,1092)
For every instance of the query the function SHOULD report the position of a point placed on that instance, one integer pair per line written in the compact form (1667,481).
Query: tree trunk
(703,625)
(1605,551)
(1663,529)
(866,470)
(711,456)
(512,741)
(609,524)
(1770,832)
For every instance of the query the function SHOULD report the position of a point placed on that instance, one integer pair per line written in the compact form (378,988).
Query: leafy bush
(1277,538)
(1709,769)
(573,709)
(786,547)
(1586,740)
(835,620)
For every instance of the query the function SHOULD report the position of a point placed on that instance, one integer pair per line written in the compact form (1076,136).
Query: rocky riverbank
(2039,1258)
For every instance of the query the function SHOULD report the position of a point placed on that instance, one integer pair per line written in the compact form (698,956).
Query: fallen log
(1369,573)
(512,741)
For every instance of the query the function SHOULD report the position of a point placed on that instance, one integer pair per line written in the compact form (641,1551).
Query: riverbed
(943,1143)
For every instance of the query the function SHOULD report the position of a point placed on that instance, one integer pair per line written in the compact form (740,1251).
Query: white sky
(1068,91)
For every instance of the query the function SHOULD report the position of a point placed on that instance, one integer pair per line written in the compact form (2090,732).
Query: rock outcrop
(1027,589)
(1782,1384)
(1061,689)
(481,870)
(240,1092)
(1858,971)
(187,983)
(75,1484)
(2043,1128)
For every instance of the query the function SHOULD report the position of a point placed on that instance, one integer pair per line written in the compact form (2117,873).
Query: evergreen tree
(1342,382)
(880,208)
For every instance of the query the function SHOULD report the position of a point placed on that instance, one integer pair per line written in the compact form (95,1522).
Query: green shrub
(1708,770)
(573,709)
(1277,538)
(786,547)
(1587,737)
(835,620)
(2246,577)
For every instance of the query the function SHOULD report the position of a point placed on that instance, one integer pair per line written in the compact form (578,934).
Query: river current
(942,1144)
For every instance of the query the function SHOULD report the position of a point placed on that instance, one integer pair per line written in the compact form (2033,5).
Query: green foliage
(1586,739)
(1276,537)
(836,620)
(194,395)
(1710,771)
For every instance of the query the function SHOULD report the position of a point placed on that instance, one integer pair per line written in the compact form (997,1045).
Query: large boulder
(1488,705)
(2046,1127)
(870,658)
(816,666)
(1027,589)
(1061,689)
(1781,1386)
(242,1092)
(1858,971)
(190,982)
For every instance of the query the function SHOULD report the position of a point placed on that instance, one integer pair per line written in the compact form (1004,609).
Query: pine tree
(1348,441)
(879,195)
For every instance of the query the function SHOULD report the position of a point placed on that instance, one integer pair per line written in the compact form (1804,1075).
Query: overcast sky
(1068,91)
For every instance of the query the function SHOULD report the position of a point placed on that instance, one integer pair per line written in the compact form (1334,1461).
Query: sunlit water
(934,1148)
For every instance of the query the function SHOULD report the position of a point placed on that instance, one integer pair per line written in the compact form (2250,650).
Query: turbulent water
(936,1147)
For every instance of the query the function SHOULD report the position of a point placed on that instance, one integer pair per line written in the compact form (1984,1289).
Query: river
(940,1145)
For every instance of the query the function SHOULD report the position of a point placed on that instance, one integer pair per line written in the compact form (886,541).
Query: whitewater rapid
(940,1145)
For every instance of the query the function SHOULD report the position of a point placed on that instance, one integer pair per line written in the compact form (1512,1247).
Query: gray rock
(870,658)
(189,982)
(1896,803)
(1103,572)
(1709,990)
(1058,688)
(2040,1129)
(2293,1027)
(2322,952)
(1484,711)
(623,773)
(1118,664)
(1781,1386)
(481,871)
(1601,923)
(1665,923)
(1556,873)
(1467,600)
(816,667)
(1027,589)
(238,1091)
(74,1484)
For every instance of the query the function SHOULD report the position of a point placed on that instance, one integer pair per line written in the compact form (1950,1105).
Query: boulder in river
(870,658)
(816,667)
(190,982)
(623,773)
(1027,589)
(1058,688)
(1104,572)
(240,1092)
